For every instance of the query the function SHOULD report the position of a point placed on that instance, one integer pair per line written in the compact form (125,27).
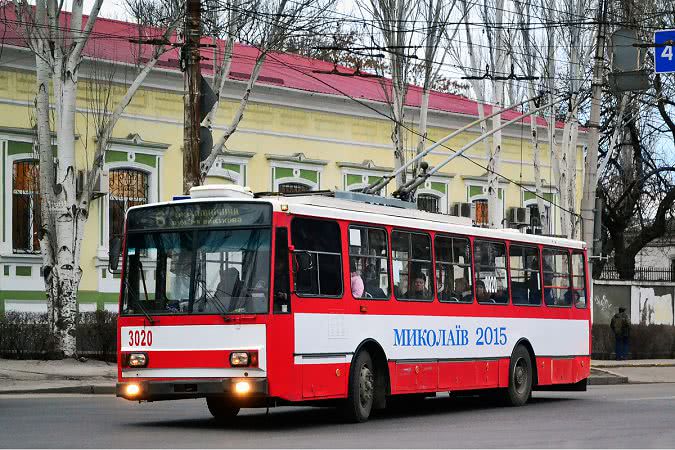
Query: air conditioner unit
(100,187)
(519,216)
(462,210)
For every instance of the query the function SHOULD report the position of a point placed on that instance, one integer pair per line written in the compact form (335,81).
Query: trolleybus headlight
(242,387)
(239,359)
(137,360)
(133,390)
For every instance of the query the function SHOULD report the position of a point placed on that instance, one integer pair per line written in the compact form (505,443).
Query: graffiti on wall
(607,299)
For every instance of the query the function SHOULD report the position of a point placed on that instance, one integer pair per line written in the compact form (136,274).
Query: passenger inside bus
(419,289)
(459,293)
(356,280)
(372,283)
(229,288)
(482,295)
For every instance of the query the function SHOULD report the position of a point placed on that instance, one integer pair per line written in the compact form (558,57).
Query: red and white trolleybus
(268,300)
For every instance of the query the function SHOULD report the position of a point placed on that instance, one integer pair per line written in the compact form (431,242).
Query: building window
(481,207)
(429,203)
(293,188)
(535,221)
(128,187)
(26,206)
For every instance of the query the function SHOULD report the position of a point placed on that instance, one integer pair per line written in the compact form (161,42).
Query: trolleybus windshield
(198,258)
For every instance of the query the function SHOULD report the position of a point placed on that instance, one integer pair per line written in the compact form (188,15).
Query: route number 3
(667,52)
(140,338)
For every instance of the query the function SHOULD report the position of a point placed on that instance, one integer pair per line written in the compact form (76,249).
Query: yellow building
(296,134)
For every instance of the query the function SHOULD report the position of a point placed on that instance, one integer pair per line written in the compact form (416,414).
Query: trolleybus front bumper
(150,390)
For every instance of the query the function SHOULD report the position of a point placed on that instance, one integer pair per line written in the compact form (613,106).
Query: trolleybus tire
(520,377)
(221,408)
(361,390)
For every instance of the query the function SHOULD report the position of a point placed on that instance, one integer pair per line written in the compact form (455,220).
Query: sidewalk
(97,377)
(63,376)
(638,370)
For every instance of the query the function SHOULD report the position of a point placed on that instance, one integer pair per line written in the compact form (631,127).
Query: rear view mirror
(114,252)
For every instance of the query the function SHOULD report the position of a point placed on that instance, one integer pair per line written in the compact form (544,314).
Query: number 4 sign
(664,60)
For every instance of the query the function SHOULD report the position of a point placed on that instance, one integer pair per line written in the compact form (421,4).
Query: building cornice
(482,179)
(296,158)
(367,164)
(135,140)
(237,154)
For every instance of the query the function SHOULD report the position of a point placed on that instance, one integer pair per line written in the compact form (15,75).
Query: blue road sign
(664,57)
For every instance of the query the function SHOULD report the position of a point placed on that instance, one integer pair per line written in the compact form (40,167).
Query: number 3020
(140,338)
(491,336)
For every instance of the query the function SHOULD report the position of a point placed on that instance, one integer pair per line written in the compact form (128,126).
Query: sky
(111,9)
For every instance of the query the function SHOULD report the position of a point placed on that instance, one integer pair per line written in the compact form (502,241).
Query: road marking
(639,399)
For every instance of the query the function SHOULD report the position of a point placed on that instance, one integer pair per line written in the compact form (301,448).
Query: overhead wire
(415,132)
(96,35)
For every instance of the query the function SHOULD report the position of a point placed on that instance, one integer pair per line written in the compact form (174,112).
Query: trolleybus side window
(369,262)
(557,277)
(317,258)
(525,275)
(491,280)
(282,288)
(578,280)
(411,266)
(453,269)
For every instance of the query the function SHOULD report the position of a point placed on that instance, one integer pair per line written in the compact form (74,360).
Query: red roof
(110,40)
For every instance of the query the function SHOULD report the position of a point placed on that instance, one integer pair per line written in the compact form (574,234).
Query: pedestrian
(620,326)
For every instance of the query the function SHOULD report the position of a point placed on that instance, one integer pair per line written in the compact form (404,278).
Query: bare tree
(65,208)
(266,24)
(394,33)
(638,183)
(436,15)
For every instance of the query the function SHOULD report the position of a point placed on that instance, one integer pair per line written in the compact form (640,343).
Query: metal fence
(609,272)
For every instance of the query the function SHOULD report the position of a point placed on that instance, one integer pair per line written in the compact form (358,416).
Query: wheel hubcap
(520,374)
(366,386)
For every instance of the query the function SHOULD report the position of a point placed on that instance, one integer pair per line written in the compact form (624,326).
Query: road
(639,415)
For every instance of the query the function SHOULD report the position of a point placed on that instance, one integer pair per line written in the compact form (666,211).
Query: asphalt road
(606,416)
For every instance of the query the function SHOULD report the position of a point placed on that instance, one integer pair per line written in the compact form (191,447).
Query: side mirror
(114,252)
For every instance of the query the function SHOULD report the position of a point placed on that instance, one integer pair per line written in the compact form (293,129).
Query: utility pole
(591,179)
(192,95)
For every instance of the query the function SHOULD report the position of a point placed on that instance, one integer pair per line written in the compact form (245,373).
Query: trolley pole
(192,95)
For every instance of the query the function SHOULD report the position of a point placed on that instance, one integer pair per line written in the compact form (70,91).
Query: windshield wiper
(138,303)
(222,312)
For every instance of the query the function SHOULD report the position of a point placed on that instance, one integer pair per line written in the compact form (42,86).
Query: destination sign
(190,215)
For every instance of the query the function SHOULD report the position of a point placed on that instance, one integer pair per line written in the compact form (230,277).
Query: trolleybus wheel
(361,389)
(221,408)
(520,377)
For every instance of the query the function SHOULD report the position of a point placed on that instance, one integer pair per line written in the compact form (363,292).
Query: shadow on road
(287,419)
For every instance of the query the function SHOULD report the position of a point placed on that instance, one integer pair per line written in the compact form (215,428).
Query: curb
(606,377)
(607,380)
(607,366)
(85,390)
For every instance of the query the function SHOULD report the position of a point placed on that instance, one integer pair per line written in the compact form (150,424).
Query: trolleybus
(257,301)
